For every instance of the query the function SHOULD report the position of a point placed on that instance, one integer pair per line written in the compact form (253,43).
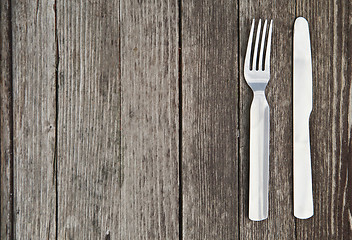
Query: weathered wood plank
(149,120)
(118,120)
(6,133)
(331,122)
(209,119)
(89,175)
(280,224)
(34,116)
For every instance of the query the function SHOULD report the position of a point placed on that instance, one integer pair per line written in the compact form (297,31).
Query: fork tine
(268,48)
(249,47)
(262,47)
(254,65)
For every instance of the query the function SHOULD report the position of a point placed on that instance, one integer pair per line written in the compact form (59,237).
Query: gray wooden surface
(88,127)
(209,120)
(130,119)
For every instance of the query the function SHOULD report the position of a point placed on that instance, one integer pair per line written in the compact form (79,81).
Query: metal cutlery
(302,107)
(257,78)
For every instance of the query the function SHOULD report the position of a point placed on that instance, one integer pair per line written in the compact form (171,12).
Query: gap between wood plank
(7,159)
(238,130)
(180,117)
(120,115)
(55,171)
(12,187)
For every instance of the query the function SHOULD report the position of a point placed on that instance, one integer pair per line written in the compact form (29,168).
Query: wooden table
(129,119)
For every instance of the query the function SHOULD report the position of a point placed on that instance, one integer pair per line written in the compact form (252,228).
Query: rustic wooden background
(129,119)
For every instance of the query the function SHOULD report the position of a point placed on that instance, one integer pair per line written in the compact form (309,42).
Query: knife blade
(302,107)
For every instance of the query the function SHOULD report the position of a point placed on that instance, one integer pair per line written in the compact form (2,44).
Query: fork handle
(259,157)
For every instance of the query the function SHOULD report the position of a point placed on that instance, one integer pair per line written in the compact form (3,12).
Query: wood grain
(149,120)
(89,173)
(209,120)
(130,119)
(6,123)
(280,224)
(331,121)
(34,57)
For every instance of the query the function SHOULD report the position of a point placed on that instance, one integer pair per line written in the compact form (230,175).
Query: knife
(302,107)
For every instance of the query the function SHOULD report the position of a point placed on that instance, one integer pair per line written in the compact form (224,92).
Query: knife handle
(302,173)
(259,157)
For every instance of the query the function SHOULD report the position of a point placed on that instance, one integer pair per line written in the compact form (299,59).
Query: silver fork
(257,79)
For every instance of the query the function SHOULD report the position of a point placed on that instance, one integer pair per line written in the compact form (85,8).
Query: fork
(257,78)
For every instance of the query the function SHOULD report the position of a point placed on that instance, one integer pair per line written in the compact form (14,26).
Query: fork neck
(259,93)
(259,98)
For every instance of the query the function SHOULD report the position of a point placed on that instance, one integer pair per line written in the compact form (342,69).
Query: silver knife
(302,107)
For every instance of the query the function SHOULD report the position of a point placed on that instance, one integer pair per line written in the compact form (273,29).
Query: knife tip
(301,20)
(300,24)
